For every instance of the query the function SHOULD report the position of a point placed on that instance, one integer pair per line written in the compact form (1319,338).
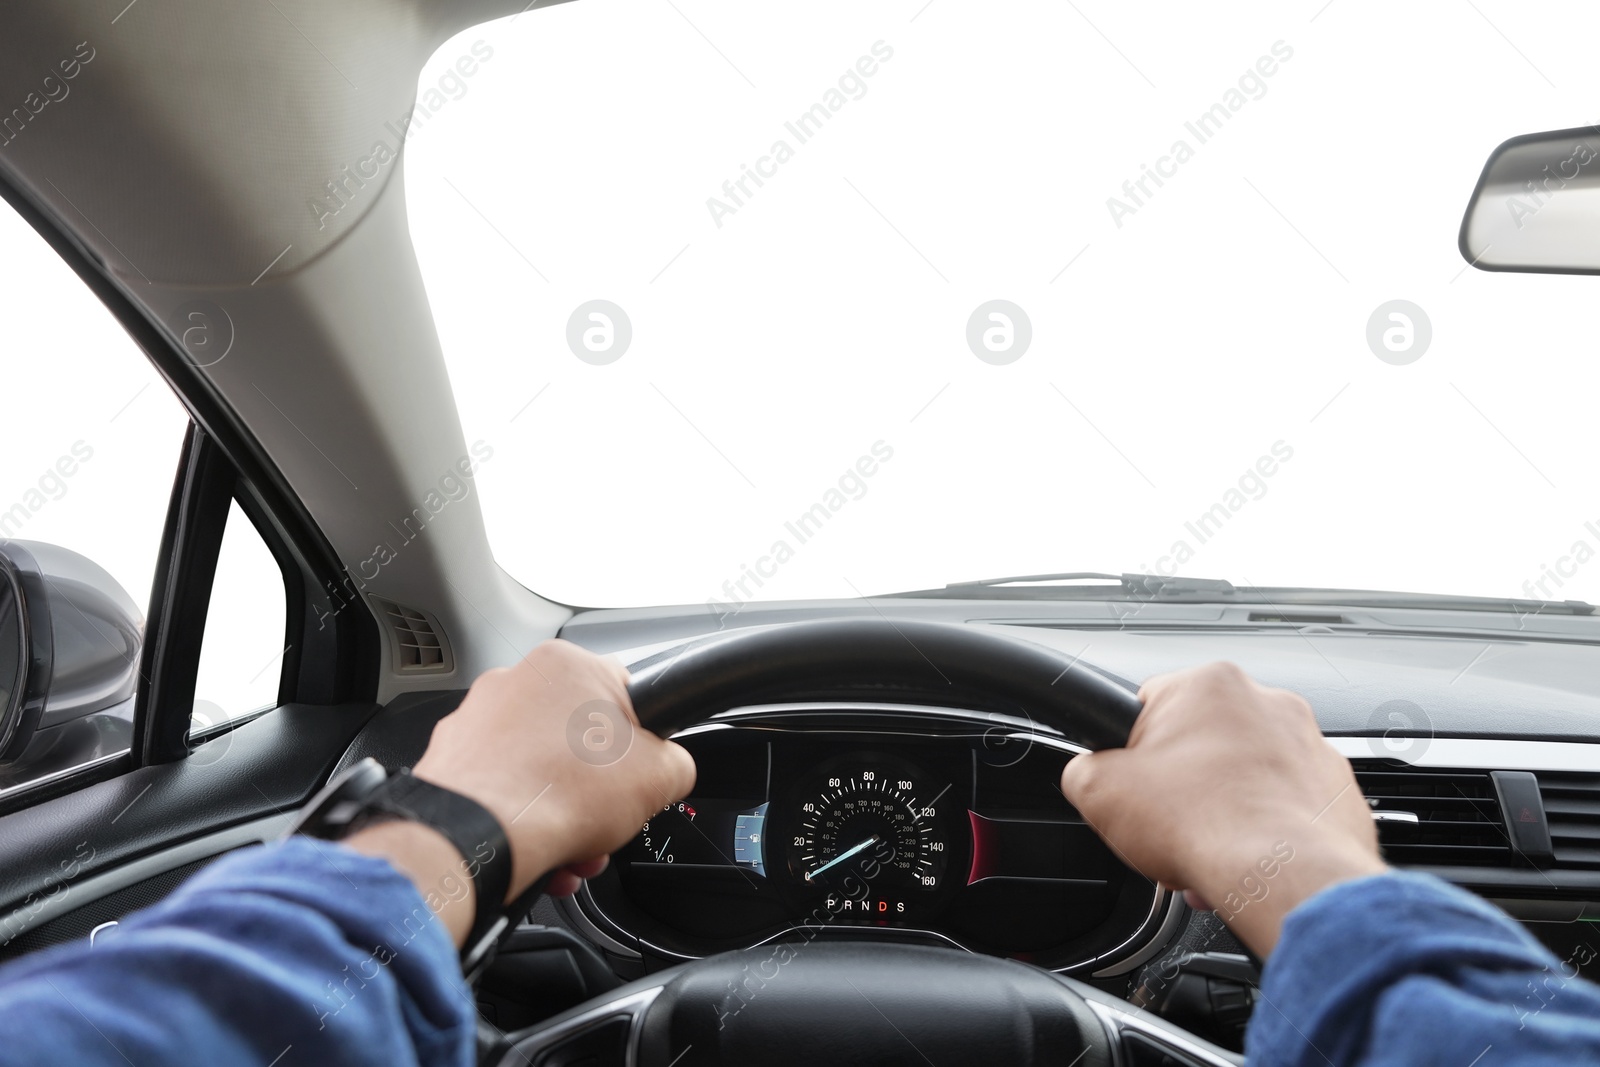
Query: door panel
(267,766)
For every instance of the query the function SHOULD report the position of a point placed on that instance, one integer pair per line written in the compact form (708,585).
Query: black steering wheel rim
(946,663)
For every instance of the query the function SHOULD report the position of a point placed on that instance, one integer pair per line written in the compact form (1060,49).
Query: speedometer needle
(846,854)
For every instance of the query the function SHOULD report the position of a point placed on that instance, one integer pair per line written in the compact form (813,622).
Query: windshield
(855,300)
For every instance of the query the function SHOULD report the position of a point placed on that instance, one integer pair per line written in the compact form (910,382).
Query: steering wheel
(863,1003)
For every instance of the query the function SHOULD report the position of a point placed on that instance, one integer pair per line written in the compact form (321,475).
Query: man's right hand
(1228,790)
(552,748)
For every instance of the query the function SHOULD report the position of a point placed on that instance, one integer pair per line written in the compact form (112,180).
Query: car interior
(318,405)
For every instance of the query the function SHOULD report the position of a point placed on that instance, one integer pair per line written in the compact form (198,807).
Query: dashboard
(881,822)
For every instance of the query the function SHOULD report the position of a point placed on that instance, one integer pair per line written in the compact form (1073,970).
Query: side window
(241,654)
(89,449)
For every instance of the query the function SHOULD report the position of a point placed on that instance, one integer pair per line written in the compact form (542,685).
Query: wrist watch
(366,795)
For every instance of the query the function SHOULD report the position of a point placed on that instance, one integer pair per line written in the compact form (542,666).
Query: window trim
(180,598)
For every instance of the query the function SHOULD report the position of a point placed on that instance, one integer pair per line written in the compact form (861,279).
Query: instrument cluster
(923,824)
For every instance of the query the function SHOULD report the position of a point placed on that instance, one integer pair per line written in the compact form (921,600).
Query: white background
(829,311)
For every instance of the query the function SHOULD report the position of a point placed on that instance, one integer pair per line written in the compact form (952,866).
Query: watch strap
(467,825)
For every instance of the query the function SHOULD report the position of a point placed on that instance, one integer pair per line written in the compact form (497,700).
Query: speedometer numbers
(868,831)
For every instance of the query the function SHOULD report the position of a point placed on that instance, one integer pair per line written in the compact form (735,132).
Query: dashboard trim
(571,910)
(632,1006)
(1117,1021)
(1478,753)
(1177,913)
(1018,728)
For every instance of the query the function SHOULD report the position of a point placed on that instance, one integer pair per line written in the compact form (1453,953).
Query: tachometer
(673,823)
(700,833)
(871,822)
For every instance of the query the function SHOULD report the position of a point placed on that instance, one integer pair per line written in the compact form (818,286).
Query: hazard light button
(1525,819)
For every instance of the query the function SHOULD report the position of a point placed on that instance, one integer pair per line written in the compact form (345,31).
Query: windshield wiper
(1180,589)
(1138,586)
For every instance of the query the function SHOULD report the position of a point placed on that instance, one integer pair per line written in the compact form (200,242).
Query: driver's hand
(1228,790)
(552,748)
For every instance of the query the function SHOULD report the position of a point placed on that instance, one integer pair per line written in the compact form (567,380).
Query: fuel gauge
(747,844)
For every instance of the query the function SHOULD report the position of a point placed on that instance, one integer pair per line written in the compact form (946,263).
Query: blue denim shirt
(1403,970)
(308,953)
(295,953)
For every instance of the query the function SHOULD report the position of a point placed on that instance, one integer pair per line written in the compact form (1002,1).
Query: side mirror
(1537,206)
(26,648)
(70,642)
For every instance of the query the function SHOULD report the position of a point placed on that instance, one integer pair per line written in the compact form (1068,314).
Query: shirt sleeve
(300,952)
(1404,969)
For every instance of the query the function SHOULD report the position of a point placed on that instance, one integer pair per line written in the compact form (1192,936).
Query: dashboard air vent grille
(1572,806)
(417,641)
(1458,818)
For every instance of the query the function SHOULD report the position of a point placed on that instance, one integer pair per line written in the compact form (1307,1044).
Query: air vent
(1572,805)
(1458,819)
(415,639)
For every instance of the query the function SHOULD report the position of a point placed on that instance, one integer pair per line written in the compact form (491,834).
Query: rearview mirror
(1537,206)
(70,642)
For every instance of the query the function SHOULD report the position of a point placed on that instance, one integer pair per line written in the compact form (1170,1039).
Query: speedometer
(870,821)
